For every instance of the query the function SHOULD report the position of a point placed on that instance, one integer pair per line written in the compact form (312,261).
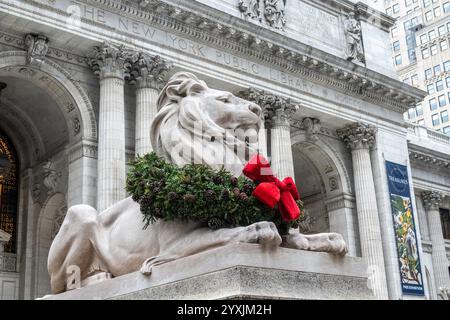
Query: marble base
(240,271)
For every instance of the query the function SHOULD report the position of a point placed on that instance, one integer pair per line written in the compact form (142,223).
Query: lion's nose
(255,109)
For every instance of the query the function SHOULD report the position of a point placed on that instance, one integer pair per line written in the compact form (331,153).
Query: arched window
(8,191)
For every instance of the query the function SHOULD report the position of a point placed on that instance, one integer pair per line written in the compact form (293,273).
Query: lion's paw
(264,233)
(337,244)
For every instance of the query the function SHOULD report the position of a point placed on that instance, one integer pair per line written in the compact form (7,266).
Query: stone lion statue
(114,242)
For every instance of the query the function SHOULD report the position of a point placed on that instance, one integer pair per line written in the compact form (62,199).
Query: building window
(445,222)
(439,85)
(8,191)
(428,15)
(446,130)
(398,60)
(428,74)
(442,101)
(434,50)
(414,80)
(432,35)
(394,32)
(426,3)
(423,38)
(433,104)
(447,66)
(437,70)
(437,11)
(419,110)
(444,116)
(435,119)
(442,30)
(425,53)
(430,89)
(444,45)
(412,113)
(446,7)
(396,46)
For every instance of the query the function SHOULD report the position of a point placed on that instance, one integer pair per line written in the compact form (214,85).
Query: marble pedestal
(240,271)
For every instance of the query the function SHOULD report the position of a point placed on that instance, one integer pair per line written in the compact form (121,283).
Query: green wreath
(197,193)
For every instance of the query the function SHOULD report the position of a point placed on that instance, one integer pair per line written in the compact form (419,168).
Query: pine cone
(248,188)
(234,181)
(215,223)
(146,201)
(218,180)
(189,198)
(236,192)
(158,213)
(172,195)
(156,190)
(243,197)
(209,195)
(225,194)
(135,198)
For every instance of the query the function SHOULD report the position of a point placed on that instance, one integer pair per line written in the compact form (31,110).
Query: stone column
(148,73)
(432,200)
(280,113)
(82,158)
(360,138)
(109,63)
(277,112)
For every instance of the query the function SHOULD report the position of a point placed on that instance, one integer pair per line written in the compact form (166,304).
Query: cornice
(429,159)
(221,30)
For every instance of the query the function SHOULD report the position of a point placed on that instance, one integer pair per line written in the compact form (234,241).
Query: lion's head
(197,124)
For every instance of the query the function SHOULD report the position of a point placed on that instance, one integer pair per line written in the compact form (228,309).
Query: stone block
(240,271)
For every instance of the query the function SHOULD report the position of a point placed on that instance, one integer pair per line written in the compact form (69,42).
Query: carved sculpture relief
(268,12)
(312,128)
(37,48)
(52,177)
(353,34)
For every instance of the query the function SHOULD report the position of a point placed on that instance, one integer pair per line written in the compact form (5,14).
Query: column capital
(277,110)
(358,135)
(148,71)
(432,200)
(109,61)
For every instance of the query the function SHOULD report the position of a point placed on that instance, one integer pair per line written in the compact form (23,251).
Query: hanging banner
(405,230)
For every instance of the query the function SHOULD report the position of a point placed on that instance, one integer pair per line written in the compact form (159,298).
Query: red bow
(271,190)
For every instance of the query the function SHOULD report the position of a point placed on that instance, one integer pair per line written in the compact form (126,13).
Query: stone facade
(78,106)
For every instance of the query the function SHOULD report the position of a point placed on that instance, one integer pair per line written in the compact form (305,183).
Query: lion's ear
(195,88)
(180,90)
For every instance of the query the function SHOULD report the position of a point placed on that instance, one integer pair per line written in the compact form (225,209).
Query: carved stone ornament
(109,60)
(358,136)
(277,110)
(51,177)
(148,71)
(432,200)
(88,239)
(37,48)
(268,12)
(312,129)
(354,41)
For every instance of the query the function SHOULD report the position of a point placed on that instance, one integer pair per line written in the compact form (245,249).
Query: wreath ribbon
(271,190)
